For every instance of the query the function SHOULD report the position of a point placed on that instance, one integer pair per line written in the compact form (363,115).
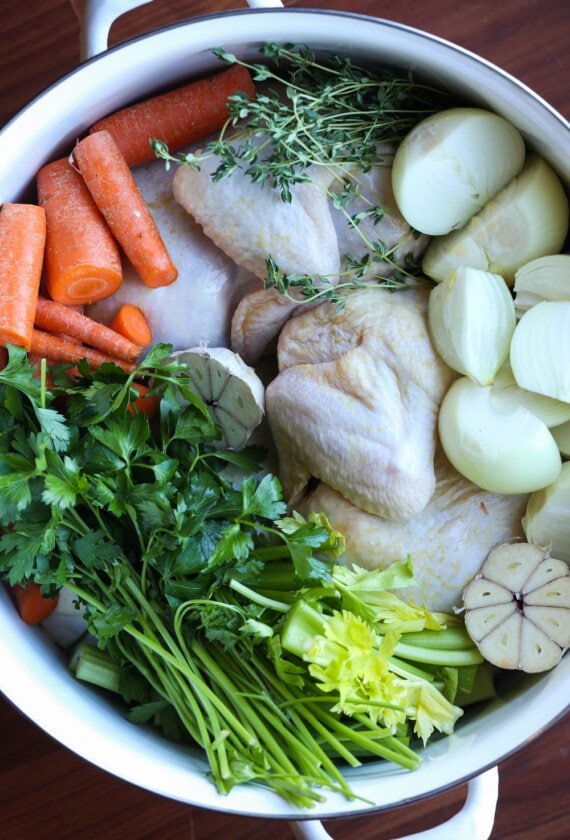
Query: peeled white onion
(540,350)
(451,164)
(471,319)
(501,452)
(506,395)
(526,220)
(546,278)
(546,522)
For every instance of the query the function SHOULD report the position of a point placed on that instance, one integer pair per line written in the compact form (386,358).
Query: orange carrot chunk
(59,350)
(57,318)
(22,245)
(116,194)
(83,261)
(32,606)
(130,322)
(178,117)
(143,404)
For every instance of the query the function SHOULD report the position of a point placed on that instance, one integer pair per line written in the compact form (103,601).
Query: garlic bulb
(471,319)
(451,164)
(231,389)
(507,395)
(546,278)
(540,350)
(504,452)
(547,518)
(517,609)
(526,220)
(561,435)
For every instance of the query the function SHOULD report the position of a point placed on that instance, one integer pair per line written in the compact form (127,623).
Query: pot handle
(99,16)
(475,820)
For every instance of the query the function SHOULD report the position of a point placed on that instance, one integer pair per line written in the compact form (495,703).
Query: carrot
(143,404)
(117,196)
(130,321)
(178,117)
(57,318)
(59,350)
(22,245)
(32,605)
(83,261)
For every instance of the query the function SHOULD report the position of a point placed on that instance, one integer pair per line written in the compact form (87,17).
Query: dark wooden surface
(46,792)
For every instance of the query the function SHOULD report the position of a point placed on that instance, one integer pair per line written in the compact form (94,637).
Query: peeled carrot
(115,191)
(22,245)
(130,321)
(32,606)
(57,318)
(143,404)
(59,350)
(83,261)
(178,117)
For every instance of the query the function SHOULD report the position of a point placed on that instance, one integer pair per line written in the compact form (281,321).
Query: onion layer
(540,350)
(546,522)
(546,278)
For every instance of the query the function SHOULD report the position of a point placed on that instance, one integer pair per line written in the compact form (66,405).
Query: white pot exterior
(33,675)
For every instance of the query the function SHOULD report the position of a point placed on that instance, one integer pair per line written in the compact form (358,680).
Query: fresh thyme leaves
(330,113)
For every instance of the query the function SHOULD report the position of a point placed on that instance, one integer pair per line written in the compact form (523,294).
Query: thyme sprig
(327,113)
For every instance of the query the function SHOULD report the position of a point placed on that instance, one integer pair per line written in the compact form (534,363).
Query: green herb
(329,112)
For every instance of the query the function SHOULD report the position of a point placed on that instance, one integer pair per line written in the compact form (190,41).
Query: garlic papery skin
(547,518)
(540,350)
(526,220)
(449,166)
(561,435)
(501,452)
(546,278)
(471,320)
(506,395)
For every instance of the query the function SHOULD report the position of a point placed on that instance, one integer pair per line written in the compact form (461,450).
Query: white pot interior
(33,676)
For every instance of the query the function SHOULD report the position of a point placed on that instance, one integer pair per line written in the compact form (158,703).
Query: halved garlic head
(471,319)
(517,609)
(546,278)
(451,164)
(526,220)
(540,350)
(506,395)
(231,389)
(504,452)
(547,518)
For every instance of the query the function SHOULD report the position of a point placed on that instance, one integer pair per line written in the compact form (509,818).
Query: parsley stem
(271,604)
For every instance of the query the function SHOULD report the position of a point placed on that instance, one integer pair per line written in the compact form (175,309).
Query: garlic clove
(488,593)
(532,631)
(540,350)
(471,320)
(506,395)
(545,278)
(451,164)
(526,220)
(510,452)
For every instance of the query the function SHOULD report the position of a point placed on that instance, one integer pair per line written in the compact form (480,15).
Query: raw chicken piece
(198,306)
(448,541)
(250,223)
(356,400)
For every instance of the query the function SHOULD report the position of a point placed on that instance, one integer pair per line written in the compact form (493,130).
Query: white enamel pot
(33,674)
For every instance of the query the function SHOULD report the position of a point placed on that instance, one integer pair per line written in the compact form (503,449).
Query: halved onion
(526,220)
(471,320)
(506,395)
(546,521)
(451,164)
(546,278)
(510,452)
(540,350)
(561,435)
